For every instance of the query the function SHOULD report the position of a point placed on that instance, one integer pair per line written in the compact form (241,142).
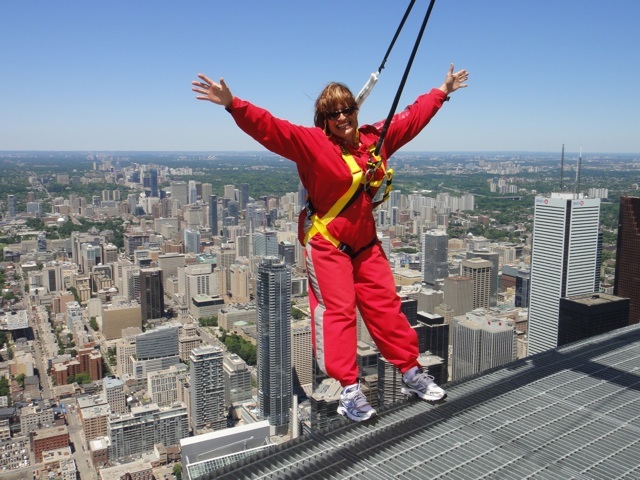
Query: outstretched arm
(454,81)
(294,142)
(217,93)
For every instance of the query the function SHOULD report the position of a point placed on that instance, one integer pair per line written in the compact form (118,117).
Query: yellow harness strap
(319,224)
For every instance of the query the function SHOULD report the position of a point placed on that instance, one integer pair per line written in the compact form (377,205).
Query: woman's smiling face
(343,123)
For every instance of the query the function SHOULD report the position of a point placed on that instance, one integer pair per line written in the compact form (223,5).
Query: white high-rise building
(435,250)
(302,353)
(113,389)
(180,193)
(237,380)
(197,279)
(163,385)
(207,389)
(479,270)
(147,425)
(480,342)
(191,240)
(192,191)
(563,260)
(265,243)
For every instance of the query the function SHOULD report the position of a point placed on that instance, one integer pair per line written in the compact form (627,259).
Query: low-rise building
(48,439)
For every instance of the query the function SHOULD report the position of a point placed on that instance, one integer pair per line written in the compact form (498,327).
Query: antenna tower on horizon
(562,170)
(578,171)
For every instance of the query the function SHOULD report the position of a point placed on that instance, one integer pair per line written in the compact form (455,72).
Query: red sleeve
(295,142)
(406,125)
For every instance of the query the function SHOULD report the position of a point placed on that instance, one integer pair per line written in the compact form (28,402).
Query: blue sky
(115,75)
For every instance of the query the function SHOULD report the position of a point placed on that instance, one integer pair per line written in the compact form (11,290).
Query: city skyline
(80,260)
(117,77)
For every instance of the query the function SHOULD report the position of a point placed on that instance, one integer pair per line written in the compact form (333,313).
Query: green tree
(35,223)
(111,356)
(238,345)
(177,470)
(4,387)
(20,379)
(93,324)
(74,292)
(8,296)
(83,378)
(208,321)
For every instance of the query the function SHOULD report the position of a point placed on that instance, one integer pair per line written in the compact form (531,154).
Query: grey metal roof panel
(570,413)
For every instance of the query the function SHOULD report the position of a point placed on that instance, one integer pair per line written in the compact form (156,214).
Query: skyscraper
(627,280)
(563,260)
(151,293)
(159,342)
(11,206)
(494,258)
(265,243)
(480,342)
(287,252)
(192,191)
(207,389)
(191,239)
(180,193)
(479,271)
(213,214)
(435,263)
(458,294)
(113,389)
(590,314)
(243,190)
(302,356)
(436,340)
(237,380)
(153,173)
(523,281)
(274,342)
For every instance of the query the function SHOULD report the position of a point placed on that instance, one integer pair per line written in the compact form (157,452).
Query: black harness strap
(343,247)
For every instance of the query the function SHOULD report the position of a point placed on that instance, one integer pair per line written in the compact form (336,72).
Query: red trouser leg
(381,310)
(335,281)
(332,300)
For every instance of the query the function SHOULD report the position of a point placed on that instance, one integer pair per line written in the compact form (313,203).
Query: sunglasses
(345,111)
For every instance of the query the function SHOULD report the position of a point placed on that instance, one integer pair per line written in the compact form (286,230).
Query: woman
(346,265)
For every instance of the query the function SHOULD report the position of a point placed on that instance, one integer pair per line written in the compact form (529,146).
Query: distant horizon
(262,152)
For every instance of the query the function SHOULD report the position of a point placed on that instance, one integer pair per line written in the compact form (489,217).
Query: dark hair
(333,95)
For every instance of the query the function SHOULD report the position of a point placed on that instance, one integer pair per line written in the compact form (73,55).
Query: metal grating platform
(570,413)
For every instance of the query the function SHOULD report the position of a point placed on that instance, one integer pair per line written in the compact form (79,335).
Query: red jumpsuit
(337,282)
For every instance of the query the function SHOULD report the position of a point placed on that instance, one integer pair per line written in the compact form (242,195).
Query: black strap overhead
(373,79)
(395,37)
(406,71)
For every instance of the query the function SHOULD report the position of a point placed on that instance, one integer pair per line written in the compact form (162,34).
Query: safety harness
(361,181)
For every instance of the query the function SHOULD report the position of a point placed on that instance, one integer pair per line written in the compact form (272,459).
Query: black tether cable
(404,79)
(395,37)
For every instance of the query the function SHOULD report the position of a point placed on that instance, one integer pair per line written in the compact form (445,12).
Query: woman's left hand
(454,81)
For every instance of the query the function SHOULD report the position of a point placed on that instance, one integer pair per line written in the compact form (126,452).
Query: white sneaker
(417,382)
(354,405)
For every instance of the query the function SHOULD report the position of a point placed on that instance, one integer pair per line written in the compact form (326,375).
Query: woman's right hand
(217,93)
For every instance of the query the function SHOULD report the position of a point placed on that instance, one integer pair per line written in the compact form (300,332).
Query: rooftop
(568,413)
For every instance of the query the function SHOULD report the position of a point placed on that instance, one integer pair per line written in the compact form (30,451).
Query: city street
(76,435)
